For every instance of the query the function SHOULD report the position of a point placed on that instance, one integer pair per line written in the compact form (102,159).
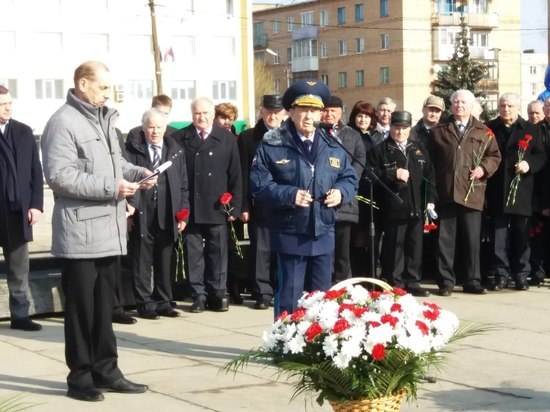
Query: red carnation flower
(298,314)
(334,294)
(396,307)
(422,326)
(528,137)
(431,314)
(392,320)
(358,312)
(375,294)
(378,352)
(313,331)
(226,198)
(523,144)
(399,291)
(182,215)
(282,316)
(373,324)
(340,326)
(432,306)
(346,306)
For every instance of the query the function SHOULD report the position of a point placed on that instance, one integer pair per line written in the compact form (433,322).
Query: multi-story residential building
(204,45)
(533,68)
(368,50)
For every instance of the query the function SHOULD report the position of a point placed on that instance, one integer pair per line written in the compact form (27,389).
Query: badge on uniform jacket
(283,161)
(334,162)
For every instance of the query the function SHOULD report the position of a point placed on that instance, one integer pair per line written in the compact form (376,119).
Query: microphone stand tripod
(372,178)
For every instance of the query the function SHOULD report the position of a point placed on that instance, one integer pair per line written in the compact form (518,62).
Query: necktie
(308,144)
(203,134)
(461,129)
(156,156)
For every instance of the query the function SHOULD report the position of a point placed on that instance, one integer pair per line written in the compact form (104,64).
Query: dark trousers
(207,265)
(511,247)
(458,222)
(16,256)
(152,247)
(263,264)
(90,342)
(342,245)
(298,274)
(401,255)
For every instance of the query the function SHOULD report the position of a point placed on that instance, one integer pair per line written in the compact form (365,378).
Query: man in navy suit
(213,168)
(21,204)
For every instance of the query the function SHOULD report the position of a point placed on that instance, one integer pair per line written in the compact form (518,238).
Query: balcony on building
(477,16)
(260,40)
(304,49)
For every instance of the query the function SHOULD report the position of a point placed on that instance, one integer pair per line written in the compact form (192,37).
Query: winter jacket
(453,159)
(281,168)
(84,171)
(416,192)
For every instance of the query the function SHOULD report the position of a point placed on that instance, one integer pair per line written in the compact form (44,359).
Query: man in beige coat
(464,155)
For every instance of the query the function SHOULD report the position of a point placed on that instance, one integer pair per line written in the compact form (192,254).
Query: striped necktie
(156,156)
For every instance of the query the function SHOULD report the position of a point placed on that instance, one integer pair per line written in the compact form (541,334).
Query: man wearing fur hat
(300,177)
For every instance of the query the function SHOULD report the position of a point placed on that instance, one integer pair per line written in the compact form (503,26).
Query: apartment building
(205,50)
(365,50)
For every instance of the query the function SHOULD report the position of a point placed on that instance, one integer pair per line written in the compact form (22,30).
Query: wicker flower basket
(386,404)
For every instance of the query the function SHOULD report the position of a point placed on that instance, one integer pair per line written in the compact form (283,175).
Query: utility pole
(156,49)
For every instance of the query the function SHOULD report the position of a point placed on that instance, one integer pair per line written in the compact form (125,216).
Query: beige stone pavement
(504,370)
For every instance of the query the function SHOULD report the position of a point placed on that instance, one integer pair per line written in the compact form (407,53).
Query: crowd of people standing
(322,199)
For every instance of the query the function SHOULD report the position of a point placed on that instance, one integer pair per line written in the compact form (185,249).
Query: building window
(276,57)
(140,89)
(48,88)
(324,78)
(479,39)
(324,50)
(446,6)
(384,8)
(448,35)
(229,7)
(306,18)
(277,85)
(224,90)
(384,41)
(11,85)
(359,12)
(341,15)
(342,80)
(360,45)
(323,18)
(342,48)
(384,75)
(304,48)
(359,78)
(290,23)
(275,27)
(533,69)
(183,89)
(479,6)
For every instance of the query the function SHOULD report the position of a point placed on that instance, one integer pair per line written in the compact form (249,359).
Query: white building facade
(204,47)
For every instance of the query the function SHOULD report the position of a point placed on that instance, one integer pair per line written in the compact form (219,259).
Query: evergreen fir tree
(461,72)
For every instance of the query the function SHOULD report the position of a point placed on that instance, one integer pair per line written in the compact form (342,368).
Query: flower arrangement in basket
(357,348)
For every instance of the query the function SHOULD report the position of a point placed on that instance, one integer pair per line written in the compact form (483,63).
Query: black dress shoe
(263,303)
(123,385)
(88,394)
(418,291)
(218,304)
(149,314)
(25,324)
(521,285)
(500,285)
(445,292)
(474,290)
(123,319)
(198,306)
(169,313)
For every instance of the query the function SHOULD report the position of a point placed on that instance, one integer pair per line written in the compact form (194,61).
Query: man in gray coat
(348,214)
(90,181)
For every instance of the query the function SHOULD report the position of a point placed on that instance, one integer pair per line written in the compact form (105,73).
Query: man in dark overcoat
(154,224)
(510,213)
(213,168)
(21,205)
(262,268)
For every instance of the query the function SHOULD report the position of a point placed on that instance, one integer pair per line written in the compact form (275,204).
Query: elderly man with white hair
(464,156)
(520,144)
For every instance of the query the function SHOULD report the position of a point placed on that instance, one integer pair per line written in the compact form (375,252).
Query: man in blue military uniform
(301,177)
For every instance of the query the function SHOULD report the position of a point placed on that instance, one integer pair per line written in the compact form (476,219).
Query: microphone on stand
(326,126)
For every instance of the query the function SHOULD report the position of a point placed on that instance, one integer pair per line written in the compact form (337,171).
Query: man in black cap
(403,165)
(300,178)
(262,268)
(348,215)
(431,113)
